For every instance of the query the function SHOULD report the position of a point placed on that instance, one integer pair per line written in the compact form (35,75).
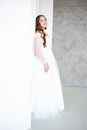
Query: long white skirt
(46,89)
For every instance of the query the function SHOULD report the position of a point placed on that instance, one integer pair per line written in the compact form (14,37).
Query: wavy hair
(40,30)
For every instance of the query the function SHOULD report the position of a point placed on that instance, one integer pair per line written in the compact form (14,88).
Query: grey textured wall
(70,41)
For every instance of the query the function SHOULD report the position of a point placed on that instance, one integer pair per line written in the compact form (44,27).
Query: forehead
(42,18)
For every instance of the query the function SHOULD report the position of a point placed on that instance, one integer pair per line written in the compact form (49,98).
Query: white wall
(34,12)
(17,21)
(46,8)
(15,65)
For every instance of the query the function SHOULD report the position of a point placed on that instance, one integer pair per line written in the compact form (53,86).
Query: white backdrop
(17,25)
(15,65)
(46,8)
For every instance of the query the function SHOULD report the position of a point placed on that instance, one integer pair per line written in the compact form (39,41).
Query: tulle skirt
(46,89)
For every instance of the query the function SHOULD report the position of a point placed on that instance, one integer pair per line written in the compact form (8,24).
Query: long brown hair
(40,30)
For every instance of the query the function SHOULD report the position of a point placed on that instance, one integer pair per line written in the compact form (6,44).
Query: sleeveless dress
(46,89)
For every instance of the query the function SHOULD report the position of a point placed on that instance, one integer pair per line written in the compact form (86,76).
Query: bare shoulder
(37,34)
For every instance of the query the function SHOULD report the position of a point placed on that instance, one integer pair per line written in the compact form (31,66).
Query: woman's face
(43,22)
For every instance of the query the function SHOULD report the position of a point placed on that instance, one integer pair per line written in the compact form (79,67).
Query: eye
(45,19)
(41,20)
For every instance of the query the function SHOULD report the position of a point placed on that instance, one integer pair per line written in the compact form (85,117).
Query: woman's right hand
(46,67)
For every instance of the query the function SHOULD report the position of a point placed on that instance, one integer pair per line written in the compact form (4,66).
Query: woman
(46,88)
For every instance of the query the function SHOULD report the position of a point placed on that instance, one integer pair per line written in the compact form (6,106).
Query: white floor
(74,117)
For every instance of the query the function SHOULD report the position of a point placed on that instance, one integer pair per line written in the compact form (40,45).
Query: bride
(46,89)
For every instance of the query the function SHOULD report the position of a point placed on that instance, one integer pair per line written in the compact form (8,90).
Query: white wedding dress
(46,89)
